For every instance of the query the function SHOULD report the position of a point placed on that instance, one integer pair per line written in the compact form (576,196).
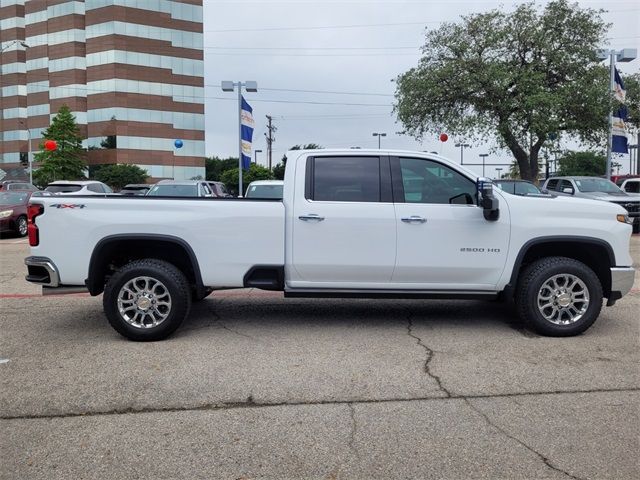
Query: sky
(325,69)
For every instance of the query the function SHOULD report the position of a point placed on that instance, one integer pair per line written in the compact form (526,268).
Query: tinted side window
(524,188)
(95,187)
(345,179)
(566,184)
(553,184)
(426,181)
(632,187)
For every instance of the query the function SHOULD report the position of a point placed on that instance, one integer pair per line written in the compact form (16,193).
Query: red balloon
(444,137)
(50,145)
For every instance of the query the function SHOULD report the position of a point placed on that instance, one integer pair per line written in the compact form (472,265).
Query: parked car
(518,187)
(597,188)
(135,189)
(631,185)
(349,226)
(265,189)
(178,188)
(13,211)
(219,190)
(78,187)
(17,185)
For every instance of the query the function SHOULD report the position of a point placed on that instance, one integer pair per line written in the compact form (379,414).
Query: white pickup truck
(352,223)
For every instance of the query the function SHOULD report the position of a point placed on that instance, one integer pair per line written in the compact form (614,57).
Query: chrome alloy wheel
(144,302)
(563,299)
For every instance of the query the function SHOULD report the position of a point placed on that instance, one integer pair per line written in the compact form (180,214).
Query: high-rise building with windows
(131,71)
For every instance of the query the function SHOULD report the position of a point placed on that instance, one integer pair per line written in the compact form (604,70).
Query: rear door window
(553,184)
(345,179)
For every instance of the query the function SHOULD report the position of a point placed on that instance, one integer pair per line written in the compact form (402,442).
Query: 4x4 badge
(68,205)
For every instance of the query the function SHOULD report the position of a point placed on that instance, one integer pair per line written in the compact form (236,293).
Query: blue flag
(618,128)
(247,123)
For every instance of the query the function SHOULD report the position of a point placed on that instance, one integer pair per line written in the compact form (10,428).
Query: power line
(321,27)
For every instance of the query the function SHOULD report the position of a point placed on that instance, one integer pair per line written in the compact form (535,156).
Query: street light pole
(462,147)
(484,157)
(249,86)
(375,134)
(255,156)
(498,169)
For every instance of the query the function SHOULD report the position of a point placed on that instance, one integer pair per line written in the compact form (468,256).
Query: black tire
(168,279)
(531,283)
(21,226)
(196,298)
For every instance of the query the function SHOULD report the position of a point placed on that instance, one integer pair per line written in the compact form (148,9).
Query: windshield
(173,191)
(13,198)
(264,191)
(597,185)
(63,188)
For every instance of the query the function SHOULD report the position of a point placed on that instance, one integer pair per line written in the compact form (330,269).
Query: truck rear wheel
(559,296)
(147,300)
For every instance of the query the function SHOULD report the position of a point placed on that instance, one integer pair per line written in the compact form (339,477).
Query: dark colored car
(13,211)
(9,185)
(518,187)
(135,189)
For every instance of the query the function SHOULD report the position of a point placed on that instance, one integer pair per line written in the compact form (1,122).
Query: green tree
(632,86)
(214,167)
(67,161)
(520,77)
(255,172)
(119,175)
(582,163)
(278,170)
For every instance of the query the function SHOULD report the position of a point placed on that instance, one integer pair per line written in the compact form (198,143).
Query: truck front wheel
(559,296)
(147,300)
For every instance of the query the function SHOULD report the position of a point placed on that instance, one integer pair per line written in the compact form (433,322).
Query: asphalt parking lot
(256,386)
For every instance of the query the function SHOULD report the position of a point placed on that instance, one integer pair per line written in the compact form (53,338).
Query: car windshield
(63,188)
(13,198)
(597,185)
(264,191)
(173,191)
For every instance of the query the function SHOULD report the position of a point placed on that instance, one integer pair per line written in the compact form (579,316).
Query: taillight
(33,210)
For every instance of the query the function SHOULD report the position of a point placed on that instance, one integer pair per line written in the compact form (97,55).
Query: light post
(249,86)
(624,55)
(255,156)
(375,134)
(484,157)
(29,158)
(498,170)
(2,49)
(462,147)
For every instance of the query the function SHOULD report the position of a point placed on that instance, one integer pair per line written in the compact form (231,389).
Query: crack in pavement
(251,403)
(218,321)
(353,431)
(546,460)
(430,355)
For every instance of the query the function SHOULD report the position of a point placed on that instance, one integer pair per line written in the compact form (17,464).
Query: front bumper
(622,279)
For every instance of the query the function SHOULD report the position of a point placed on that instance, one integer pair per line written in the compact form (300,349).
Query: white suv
(78,187)
(631,185)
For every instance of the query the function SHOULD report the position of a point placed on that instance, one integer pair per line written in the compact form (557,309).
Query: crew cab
(365,224)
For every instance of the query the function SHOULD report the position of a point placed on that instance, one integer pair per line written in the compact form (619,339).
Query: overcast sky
(355,47)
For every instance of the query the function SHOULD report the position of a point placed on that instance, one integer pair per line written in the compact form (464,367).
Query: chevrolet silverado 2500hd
(360,223)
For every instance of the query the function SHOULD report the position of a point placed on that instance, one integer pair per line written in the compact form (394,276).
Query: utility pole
(270,138)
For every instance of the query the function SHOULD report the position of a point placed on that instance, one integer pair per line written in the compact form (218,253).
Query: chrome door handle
(413,219)
(311,216)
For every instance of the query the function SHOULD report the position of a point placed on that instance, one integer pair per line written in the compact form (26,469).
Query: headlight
(6,213)
(624,218)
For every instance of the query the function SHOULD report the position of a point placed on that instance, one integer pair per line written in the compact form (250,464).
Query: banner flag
(619,142)
(247,124)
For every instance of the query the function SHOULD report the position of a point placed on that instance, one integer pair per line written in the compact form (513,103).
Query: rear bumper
(43,271)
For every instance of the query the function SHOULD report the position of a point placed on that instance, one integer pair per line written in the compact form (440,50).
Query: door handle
(414,219)
(311,216)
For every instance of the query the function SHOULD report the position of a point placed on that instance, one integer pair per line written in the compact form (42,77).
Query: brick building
(131,71)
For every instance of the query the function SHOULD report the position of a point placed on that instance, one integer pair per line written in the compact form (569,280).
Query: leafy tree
(278,170)
(214,166)
(119,175)
(582,163)
(632,86)
(521,77)
(255,172)
(67,161)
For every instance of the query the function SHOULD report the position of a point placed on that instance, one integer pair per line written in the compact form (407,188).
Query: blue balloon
(178,143)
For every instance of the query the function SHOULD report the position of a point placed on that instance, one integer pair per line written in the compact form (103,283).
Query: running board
(399,294)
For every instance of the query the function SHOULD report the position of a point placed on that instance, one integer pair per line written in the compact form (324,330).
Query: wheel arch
(114,251)
(596,253)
